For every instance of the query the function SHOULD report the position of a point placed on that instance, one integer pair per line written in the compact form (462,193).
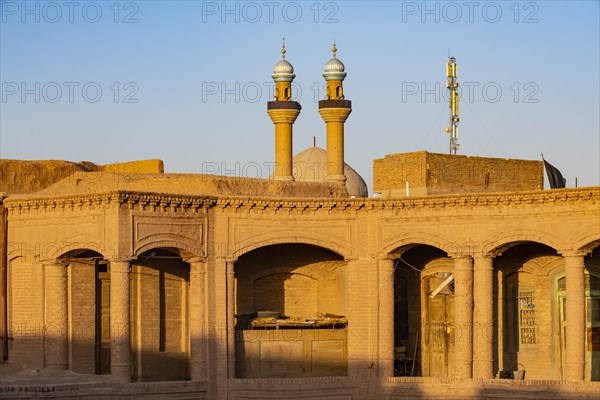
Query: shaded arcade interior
(291,307)
(159,330)
(529,313)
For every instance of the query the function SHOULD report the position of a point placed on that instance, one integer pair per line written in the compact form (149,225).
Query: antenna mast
(452,85)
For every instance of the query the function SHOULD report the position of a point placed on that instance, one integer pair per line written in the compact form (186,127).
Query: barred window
(527,326)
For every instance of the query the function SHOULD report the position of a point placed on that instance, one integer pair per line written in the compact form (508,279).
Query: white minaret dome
(334,69)
(283,71)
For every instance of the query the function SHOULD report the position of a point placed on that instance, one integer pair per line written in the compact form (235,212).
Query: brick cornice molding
(166,202)
(372,204)
(154,201)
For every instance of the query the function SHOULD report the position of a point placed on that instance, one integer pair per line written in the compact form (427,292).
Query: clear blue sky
(188,81)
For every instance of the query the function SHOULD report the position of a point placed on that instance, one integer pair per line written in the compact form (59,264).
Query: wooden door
(440,335)
(102,319)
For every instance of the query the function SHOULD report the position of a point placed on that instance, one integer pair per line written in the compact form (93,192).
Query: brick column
(463,310)
(386,317)
(218,355)
(575,317)
(120,335)
(483,317)
(230,319)
(197,312)
(56,334)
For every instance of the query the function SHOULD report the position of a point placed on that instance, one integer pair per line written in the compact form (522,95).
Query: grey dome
(310,165)
(283,72)
(334,70)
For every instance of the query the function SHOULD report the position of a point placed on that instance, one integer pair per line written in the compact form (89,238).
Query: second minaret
(283,112)
(335,110)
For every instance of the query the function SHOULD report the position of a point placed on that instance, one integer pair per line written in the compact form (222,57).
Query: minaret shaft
(283,114)
(335,113)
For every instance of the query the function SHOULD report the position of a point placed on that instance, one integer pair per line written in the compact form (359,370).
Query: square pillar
(120,335)
(575,317)
(56,332)
(463,316)
(363,319)
(483,317)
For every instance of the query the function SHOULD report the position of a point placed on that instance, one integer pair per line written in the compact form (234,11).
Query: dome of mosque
(310,165)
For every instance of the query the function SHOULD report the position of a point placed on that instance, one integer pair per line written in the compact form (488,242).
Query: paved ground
(21,382)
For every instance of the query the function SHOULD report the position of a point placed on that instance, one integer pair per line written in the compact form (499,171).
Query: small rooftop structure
(422,173)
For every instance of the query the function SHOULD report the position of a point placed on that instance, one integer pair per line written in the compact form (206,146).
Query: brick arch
(185,249)
(313,239)
(588,241)
(184,254)
(412,239)
(51,251)
(75,252)
(504,241)
(556,268)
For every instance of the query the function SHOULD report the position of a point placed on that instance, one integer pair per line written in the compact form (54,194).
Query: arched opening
(291,307)
(89,311)
(159,316)
(592,316)
(423,312)
(524,303)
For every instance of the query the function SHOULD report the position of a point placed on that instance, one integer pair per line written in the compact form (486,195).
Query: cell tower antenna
(452,86)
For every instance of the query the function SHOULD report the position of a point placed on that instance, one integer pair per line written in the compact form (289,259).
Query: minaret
(283,112)
(335,110)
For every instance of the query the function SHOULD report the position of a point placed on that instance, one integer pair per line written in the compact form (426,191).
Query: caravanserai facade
(195,286)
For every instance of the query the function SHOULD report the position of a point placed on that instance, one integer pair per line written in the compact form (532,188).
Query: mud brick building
(461,271)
